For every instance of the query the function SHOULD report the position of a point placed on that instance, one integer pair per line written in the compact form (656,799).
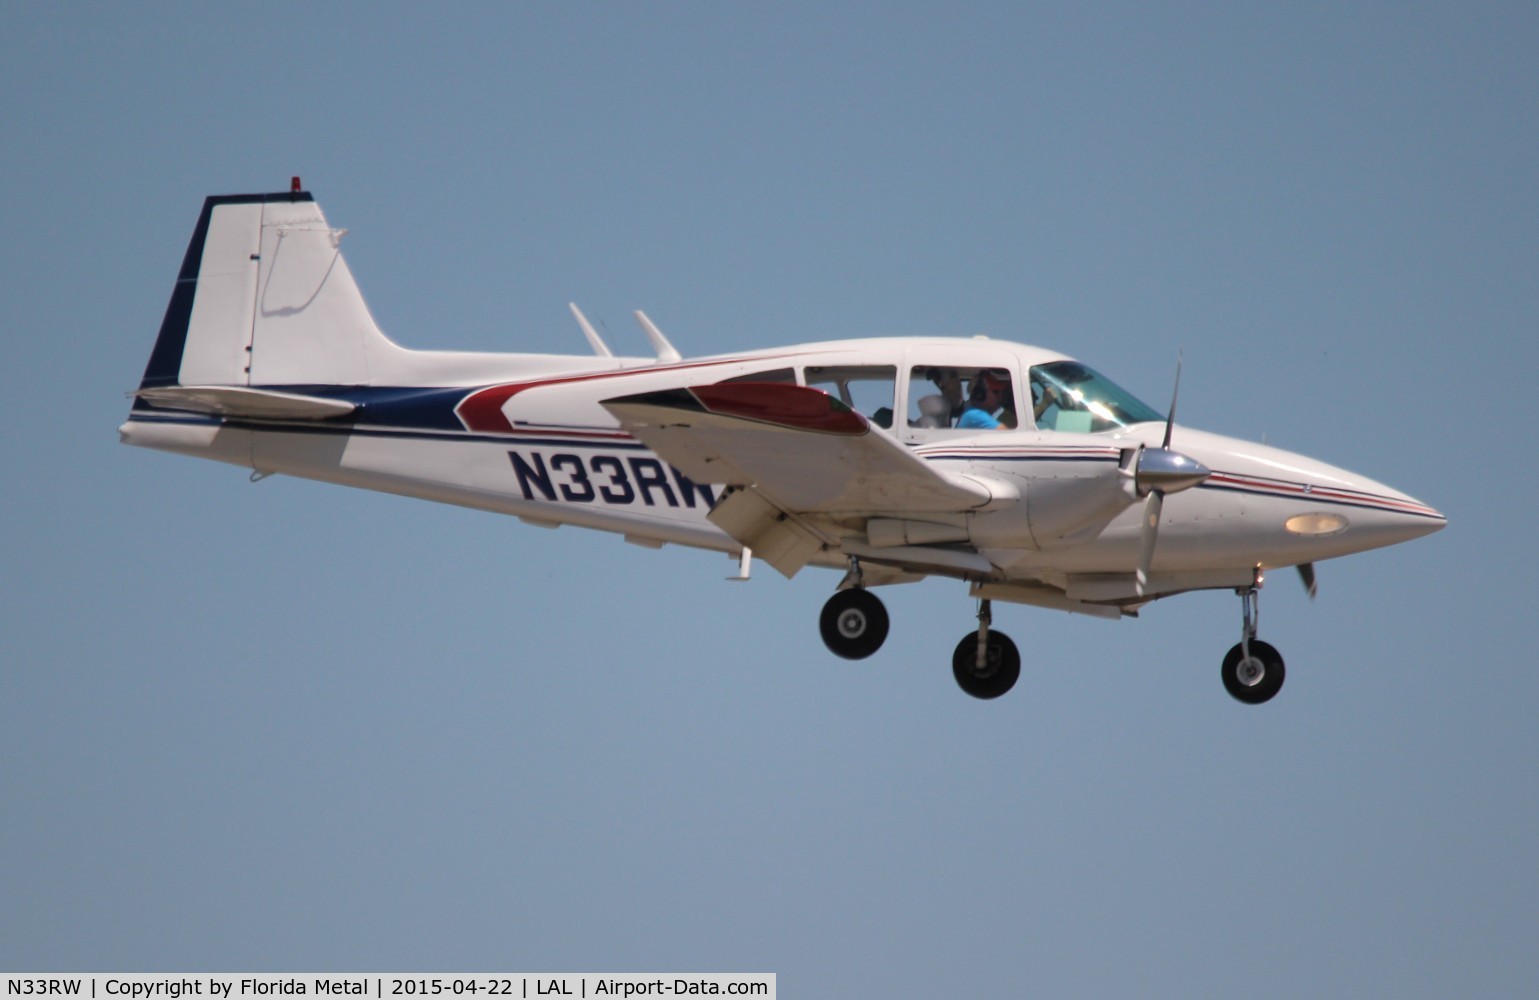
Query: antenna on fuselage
(667,354)
(599,347)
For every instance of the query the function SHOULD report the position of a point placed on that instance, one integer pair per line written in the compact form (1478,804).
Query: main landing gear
(854,625)
(987,664)
(1253,670)
(854,622)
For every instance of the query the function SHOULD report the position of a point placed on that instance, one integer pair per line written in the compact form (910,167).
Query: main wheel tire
(1256,679)
(1001,668)
(854,624)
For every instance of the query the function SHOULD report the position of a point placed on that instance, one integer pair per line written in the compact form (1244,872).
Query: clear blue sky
(289,726)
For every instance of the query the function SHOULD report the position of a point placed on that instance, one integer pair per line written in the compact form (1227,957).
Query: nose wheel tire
(1001,665)
(853,624)
(1256,678)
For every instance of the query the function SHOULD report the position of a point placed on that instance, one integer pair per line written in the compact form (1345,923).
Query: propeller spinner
(1157,472)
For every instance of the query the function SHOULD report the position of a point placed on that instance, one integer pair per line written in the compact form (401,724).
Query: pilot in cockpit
(1045,396)
(990,391)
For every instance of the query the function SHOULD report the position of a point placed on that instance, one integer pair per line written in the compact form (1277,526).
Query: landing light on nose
(1316,525)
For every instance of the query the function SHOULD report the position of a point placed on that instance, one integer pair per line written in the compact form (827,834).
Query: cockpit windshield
(1068,396)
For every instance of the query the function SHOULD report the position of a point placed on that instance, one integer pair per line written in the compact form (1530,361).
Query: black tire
(1257,680)
(853,624)
(1000,671)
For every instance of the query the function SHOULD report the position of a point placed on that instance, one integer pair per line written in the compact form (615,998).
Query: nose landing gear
(1253,670)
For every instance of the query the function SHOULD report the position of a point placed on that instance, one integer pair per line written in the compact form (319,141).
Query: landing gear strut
(1253,670)
(854,622)
(986,664)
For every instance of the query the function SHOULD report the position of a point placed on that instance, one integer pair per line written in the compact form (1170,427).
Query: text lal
(614,987)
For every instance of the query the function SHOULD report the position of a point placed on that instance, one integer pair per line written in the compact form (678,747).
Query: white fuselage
(541,447)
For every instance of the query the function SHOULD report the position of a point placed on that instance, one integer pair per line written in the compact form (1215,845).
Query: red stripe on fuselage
(1319,492)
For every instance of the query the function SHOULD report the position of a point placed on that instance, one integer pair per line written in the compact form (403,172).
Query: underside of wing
(800,448)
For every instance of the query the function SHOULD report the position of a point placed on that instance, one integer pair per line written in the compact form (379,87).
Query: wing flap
(778,538)
(802,449)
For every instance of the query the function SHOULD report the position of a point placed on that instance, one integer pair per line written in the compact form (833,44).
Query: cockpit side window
(867,389)
(1071,397)
(960,397)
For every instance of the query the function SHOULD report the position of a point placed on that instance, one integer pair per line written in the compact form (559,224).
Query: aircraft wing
(793,458)
(800,448)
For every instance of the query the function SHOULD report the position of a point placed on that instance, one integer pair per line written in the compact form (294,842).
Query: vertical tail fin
(264,298)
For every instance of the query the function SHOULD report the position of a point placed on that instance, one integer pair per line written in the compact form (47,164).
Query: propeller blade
(1150,533)
(1161,469)
(1307,574)
(1170,421)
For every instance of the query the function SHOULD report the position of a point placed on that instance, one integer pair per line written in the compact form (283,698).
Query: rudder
(264,298)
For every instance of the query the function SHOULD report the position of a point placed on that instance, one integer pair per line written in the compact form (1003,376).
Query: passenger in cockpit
(949,384)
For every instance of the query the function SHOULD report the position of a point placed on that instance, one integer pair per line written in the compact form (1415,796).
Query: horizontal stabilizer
(239,401)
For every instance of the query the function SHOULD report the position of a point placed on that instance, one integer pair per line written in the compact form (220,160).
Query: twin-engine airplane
(1020,471)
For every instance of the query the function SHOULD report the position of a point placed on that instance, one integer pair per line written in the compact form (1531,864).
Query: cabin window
(866,389)
(961,397)
(1071,397)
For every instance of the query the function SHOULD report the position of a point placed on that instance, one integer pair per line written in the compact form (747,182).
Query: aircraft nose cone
(1370,512)
(1419,519)
(1404,511)
(1321,511)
